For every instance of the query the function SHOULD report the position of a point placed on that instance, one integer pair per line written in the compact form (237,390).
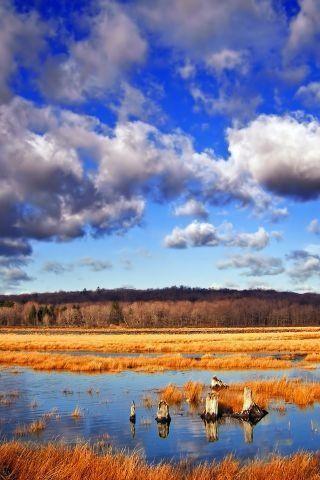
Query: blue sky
(150,146)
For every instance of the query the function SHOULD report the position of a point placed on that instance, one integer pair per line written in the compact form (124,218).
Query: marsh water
(104,401)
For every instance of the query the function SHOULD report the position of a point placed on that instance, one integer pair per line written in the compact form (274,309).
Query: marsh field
(65,401)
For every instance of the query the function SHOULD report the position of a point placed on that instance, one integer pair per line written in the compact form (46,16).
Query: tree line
(203,308)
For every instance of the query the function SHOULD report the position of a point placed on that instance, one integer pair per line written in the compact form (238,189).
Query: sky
(150,144)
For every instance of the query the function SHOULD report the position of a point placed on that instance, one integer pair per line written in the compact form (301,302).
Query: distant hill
(159,294)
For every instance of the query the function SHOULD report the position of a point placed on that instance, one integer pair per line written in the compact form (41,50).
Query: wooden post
(133,412)
(248,402)
(163,415)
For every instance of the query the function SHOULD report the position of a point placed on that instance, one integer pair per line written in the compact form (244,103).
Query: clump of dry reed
(77,413)
(58,462)
(193,391)
(172,394)
(33,427)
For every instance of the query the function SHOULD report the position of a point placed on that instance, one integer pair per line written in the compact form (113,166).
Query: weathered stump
(133,412)
(211,431)
(211,408)
(251,412)
(216,383)
(163,415)
(248,432)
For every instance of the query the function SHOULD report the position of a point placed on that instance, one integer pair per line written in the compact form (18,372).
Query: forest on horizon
(159,308)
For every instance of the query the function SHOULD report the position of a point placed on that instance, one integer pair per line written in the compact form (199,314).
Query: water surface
(105,401)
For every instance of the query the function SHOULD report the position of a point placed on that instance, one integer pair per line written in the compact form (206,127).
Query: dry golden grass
(56,462)
(297,340)
(191,392)
(294,391)
(172,394)
(96,364)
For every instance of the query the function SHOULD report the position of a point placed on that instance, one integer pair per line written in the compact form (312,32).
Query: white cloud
(227,59)
(187,70)
(192,208)
(133,104)
(304,29)
(305,265)
(94,64)
(254,265)
(310,93)
(257,240)
(203,27)
(232,101)
(198,234)
(21,37)
(280,154)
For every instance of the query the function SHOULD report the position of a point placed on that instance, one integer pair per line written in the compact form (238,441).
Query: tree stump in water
(133,413)
(163,415)
(211,408)
(251,412)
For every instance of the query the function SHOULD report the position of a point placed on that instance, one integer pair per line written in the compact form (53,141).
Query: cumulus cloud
(305,265)
(194,235)
(314,226)
(95,63)
(191,208)
(280,154)
(257,240)
(254,265)
(198,234)
(45,192)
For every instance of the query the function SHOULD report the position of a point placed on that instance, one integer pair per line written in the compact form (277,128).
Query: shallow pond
(105,399)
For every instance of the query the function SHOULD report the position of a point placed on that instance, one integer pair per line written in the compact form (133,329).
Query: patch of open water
(105,401)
